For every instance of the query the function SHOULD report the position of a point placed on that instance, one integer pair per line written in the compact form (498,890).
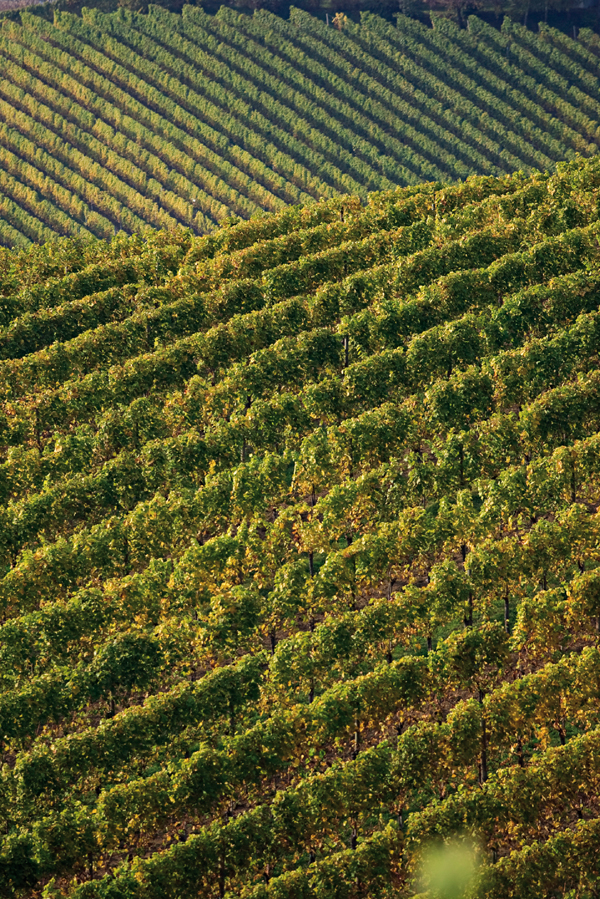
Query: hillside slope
(124,120)
(299,549)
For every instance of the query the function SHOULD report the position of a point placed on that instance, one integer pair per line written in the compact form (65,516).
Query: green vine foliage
(299,547)
(120,121)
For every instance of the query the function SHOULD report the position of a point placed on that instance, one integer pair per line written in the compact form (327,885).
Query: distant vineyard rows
(120,121)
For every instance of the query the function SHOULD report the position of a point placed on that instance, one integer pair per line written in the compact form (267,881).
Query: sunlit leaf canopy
(299,551)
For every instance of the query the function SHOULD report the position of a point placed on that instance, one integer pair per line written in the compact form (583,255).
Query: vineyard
(299,550)
(114,122)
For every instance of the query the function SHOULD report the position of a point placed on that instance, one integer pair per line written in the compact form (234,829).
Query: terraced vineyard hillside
(125,120)
(299,550)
